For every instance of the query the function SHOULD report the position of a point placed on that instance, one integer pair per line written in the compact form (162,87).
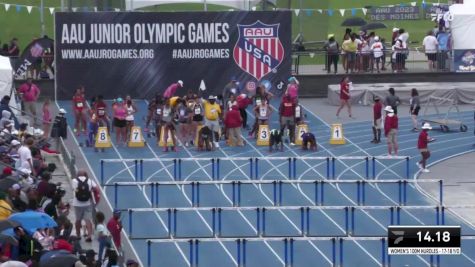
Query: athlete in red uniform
(80,109)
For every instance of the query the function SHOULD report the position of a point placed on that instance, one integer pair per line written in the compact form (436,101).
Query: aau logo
(258,50)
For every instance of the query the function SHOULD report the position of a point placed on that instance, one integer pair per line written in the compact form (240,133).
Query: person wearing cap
(293,88)
(114,226)
(377,120)
(391,124)
(332,49)
(378,52)
(131,263)
(119,122)
(7,171)
(29,93)
(213,114)
(171,90)
(79,109)
(5,106)
(345,85)
(422,142)
(60,127)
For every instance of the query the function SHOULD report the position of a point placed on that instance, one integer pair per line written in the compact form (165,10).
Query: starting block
(337,137)
(301,129)
(136,137)
(102,138)
(263,135)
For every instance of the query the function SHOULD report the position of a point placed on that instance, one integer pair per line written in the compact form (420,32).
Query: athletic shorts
(431,56)
(83,213)
(377,124)
(416,111)
(392,136)
(119,123)
(198,118)
(213,125)
(423,150)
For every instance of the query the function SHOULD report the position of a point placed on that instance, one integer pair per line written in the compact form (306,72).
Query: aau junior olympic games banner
(119,53)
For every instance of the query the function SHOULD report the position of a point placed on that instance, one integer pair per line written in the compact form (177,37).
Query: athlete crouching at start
(309,141)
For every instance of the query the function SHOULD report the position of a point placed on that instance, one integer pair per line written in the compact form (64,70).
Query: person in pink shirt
(47,119)
(120,124)
(170,91)
(29,95)
(293,88)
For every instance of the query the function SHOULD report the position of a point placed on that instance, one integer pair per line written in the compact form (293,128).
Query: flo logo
(258,50)
(438,16)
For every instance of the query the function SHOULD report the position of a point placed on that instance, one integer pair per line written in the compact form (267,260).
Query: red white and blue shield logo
(258,50)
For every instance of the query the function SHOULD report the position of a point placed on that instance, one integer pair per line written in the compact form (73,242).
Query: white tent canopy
(463,25)
(235,4)
(6,80)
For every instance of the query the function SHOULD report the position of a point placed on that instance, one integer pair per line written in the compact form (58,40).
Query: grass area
(314,26)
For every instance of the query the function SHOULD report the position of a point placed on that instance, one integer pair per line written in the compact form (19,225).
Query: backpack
(83,193)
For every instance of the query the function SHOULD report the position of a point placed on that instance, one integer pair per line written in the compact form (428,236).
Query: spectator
(415,106)
(394,35)
(392,100)
(83,203)
(171,90)
(4,105)
(4,50)
(378,53)
(114,226)
(25,160)
(60,127)
(233,122)
(346,36)
(423,148)
(430,45)
(377,121)
(131,263)
(7,171)
(5,208)
(287,117)
(332,49)
(45,238)
(443,38)
(103,236)
(13,49)
(345,85)
(391,124)
(27,246)
(17,198)
(47,118)
(404,38)
(398,56)
(350,47)
(29,94)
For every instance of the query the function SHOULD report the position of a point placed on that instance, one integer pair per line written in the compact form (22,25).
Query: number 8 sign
(102,138)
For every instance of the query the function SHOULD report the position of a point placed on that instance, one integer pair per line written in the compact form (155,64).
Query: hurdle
(287,246)
(277,189)
(254,165)
(261,220)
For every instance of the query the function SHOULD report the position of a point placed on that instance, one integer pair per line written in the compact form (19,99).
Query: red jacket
(114,226)
(423,140)
(390,123)
(233,119)
(243,102)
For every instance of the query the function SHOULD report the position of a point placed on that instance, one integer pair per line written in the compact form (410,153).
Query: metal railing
(318,61)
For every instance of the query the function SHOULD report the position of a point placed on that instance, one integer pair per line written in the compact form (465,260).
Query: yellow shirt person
(212,109)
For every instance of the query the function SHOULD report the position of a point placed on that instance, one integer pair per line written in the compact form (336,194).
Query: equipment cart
(446,122)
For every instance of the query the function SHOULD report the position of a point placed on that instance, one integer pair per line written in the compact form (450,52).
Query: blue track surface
(279,222)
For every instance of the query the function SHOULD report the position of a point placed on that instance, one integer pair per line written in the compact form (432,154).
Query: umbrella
(6,224)
(32,220)
(7,182)
(351,22)
(60,259)
(8,239)
(373,26)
